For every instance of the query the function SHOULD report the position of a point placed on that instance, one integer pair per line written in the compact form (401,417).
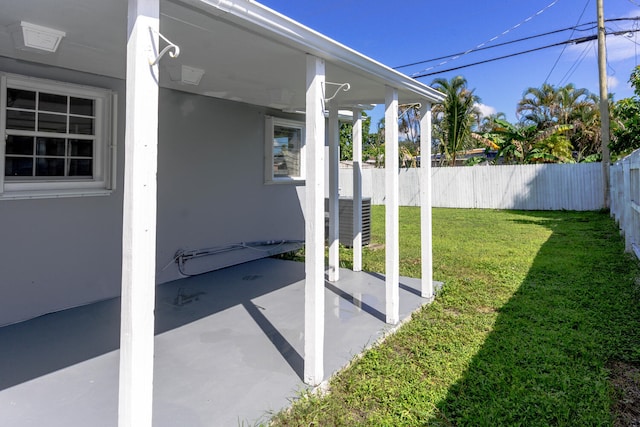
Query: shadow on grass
(545,361)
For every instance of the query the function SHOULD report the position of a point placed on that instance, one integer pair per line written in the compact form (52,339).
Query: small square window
(284,149)
(59,139)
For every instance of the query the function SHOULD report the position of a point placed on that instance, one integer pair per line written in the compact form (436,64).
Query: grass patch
(536,308)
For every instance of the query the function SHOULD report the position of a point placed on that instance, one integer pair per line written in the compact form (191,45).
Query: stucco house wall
(60,253)
(57,253)
(211,186)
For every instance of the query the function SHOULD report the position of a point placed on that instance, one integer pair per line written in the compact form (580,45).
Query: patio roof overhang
(249,53)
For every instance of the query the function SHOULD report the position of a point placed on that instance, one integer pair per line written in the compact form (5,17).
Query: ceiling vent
(191,75)
(185,74)
(36,38)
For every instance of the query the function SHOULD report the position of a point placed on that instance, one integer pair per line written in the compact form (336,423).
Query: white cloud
(620,48)
(486,110)
(612,82)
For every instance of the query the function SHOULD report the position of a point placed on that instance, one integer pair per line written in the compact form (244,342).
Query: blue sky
(397,33)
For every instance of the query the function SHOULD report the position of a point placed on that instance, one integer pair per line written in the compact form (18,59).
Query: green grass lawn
(536,307)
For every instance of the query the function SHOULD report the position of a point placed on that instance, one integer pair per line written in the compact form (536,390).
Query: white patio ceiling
(249,53)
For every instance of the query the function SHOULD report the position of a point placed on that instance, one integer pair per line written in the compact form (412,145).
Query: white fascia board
(260,19)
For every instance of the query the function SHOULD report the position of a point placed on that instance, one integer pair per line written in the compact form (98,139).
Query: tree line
(556,124)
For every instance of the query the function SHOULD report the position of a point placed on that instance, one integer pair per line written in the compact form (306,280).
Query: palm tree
(455,117)
(575,108)
(409,122)
(538,106)
(488,123)
(586,135)
(570,99)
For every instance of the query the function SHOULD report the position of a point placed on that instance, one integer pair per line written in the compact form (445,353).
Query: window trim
(270,123)
(103,180)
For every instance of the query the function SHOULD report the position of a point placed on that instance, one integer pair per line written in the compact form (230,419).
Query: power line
(496,37)
(565,46)
(574,41)
(499,44)
(575,65)
(459,54)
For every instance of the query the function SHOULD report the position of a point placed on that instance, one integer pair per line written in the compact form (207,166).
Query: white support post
(334,196)
(357,189)
(139,218)
(425,202)
(314,224)
(392,222)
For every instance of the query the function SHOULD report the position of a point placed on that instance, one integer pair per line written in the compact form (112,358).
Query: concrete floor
(228,348)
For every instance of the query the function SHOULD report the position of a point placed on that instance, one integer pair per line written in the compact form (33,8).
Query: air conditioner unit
(345,215)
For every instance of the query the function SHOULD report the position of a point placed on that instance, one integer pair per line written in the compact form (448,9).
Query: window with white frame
(284,149)
(57,138)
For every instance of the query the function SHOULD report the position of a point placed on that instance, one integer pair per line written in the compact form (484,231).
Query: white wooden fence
(528,187)
(625,199)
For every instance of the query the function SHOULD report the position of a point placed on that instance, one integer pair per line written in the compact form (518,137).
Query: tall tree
(570,100)
(538,106)
(488,123)
(574,108)
(455,117)
(373,147)
(409,122)
(586,136)
(346,136)
(626,127)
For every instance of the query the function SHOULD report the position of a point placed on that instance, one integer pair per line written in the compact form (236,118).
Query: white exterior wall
(211,189)
(526,187)
(61,253)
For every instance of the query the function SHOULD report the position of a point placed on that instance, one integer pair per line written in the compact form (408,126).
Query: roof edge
(251,15)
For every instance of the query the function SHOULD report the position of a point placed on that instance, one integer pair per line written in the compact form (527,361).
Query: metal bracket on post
(341,86)
(174,54)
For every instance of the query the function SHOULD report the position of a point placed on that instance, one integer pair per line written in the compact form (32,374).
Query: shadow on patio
(546,360)
(228,348)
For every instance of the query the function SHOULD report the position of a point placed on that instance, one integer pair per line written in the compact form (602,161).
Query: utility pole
(604,100)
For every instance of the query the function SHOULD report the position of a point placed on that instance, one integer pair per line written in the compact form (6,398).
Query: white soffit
(265,22)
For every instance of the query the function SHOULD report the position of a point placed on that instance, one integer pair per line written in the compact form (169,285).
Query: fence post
(613,182)
(634,202)
(626,223)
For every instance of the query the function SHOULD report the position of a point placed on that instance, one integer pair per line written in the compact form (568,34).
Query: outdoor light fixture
(35,38)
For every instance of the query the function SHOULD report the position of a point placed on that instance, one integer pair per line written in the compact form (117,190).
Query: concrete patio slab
(228,348)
